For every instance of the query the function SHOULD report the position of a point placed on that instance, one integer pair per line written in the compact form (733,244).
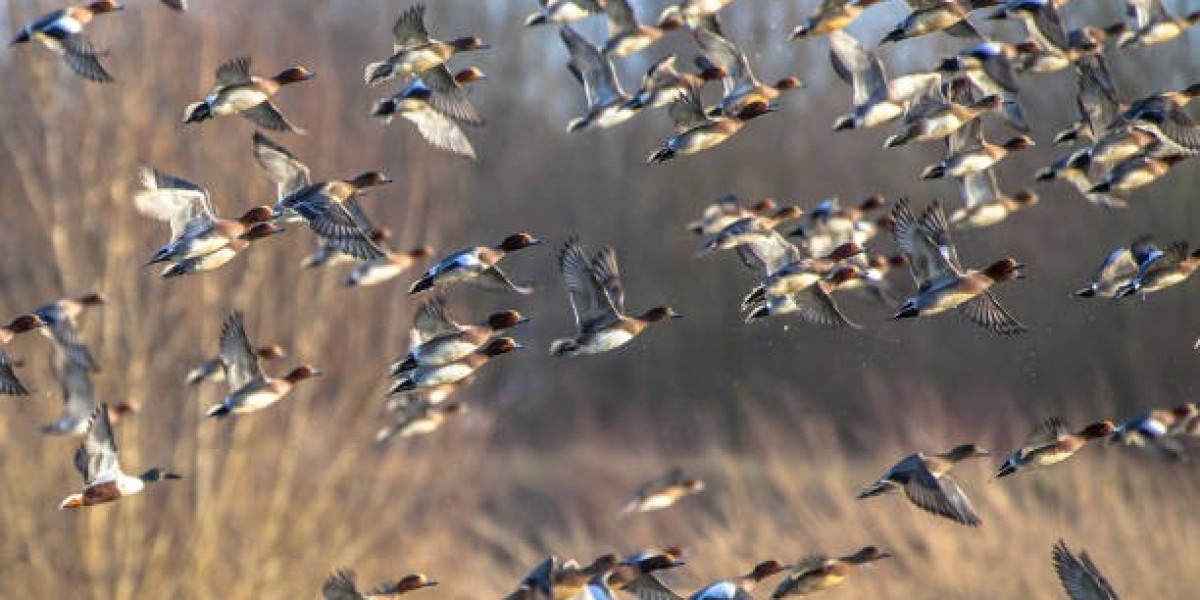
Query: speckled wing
(768,253)
(1080,578)
(936,229)
(10,385)
(725,55)
(815,305)
(978,188)
(96,458)
(79,395)
(237,355)
(987,312)
(1047,432)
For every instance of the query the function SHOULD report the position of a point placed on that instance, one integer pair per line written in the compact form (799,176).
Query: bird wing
(184,205)
(1080,579)
(10,385)
(687,110)
(940,496)
(768,253)
(867,80)
(281,166)
(237,355)
(448,97)
(600,84)
(79,396)
(84,59)
(235,71)
(1119,265)
(590,301)
(340,586)
(96,458)
(978,188)
(925,260)
(409,29)
(333,221)
(937,230)
(441,131)
(620,17)
(432,320)
(649,587)
(726,56)
(1046,432)
(608,276)
(267,116)
(987,312)
(815,305)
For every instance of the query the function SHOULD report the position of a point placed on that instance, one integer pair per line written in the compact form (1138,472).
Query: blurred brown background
(785,420)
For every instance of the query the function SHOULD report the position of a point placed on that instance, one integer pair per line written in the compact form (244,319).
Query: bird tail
(409,363)
(563,347)
(661,155)
(196,112)
(420,285)
(218,411)
(379,72)
(385,109)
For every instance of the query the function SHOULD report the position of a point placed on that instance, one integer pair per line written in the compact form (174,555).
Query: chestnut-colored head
(873,202)
(258,214)
(659,313)
(421,252)
(1185,410)
(670,21)
(469,75)
(789,83)
(104,6)
(92,299)
(270,352)
(754,110)
(844,275)
(845,251)
(294,75)
(898,261)
(965,451)
(1025,198)
(25,323)
(1023,142)
(766,569)
(301,373)
(500,346)
(505,320)
(369,179)
(763,206)
(412,582)
(1005,270)
(867,554)
(788,213)
(260,231)
(517,241)
(380,235)
(1098,430)
(466,44)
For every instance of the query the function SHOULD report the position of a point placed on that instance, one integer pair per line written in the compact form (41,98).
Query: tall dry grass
(785,423)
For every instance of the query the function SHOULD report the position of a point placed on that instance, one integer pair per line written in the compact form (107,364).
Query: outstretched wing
(237,355)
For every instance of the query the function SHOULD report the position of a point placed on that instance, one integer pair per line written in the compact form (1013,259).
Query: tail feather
(661,155)
(218,411)
(875,489)
(196,112)
(563,347)
(379,72)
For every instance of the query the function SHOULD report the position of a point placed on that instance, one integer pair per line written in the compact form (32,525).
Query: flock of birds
(1122,145)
